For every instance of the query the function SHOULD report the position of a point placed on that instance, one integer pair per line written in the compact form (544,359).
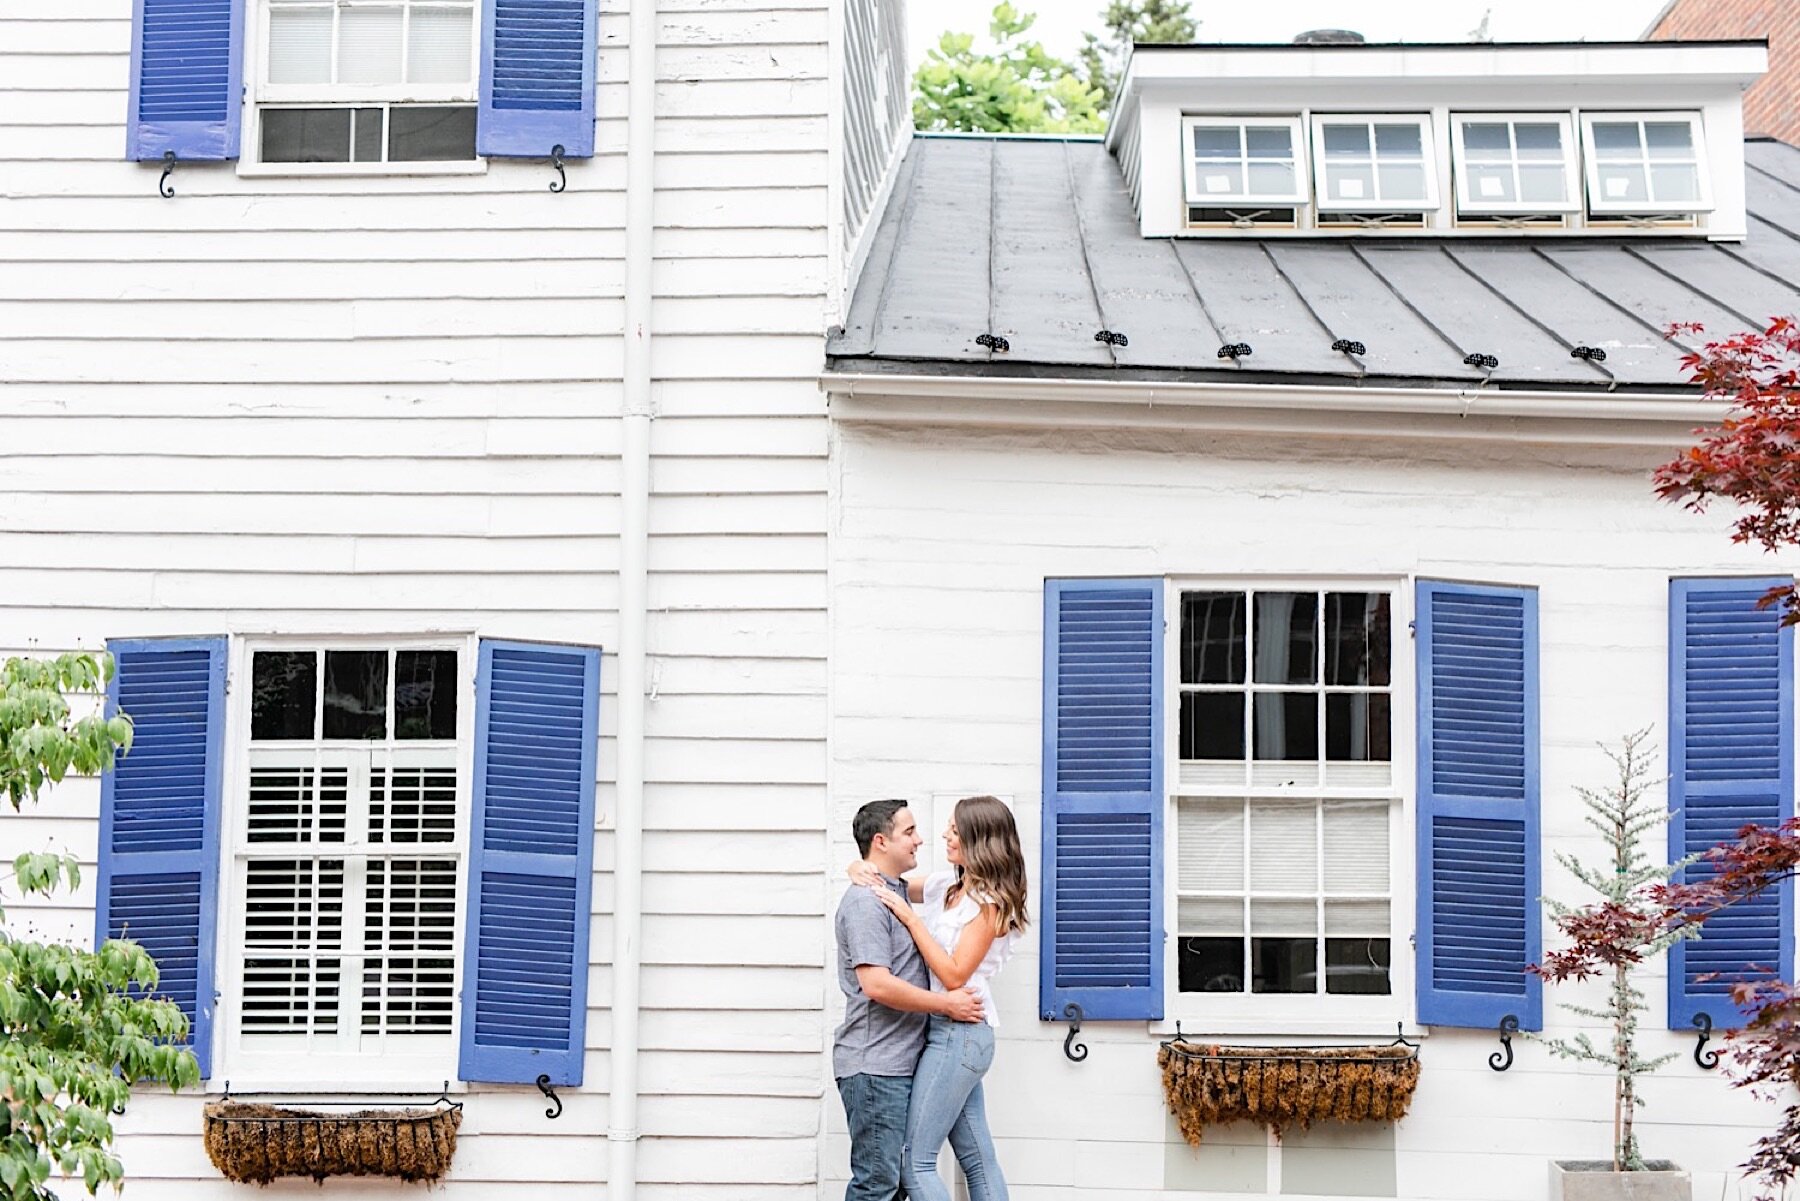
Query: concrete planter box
(1594,1180)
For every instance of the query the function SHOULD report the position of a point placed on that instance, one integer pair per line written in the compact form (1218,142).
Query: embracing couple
(916,961)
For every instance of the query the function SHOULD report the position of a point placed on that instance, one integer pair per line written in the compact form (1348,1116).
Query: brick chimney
(1772,105)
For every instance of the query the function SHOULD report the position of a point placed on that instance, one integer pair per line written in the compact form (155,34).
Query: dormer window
(1515,164)
(1642,164)
(1243,161)
(1374,164)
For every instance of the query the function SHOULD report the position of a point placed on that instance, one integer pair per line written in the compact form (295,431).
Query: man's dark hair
(876,817)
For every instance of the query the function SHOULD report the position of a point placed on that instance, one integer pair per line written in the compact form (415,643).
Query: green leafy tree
(77,1029)
(1127,23)
(1018,87)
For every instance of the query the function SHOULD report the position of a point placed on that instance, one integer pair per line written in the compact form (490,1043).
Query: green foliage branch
(1017,87)
(1129,22)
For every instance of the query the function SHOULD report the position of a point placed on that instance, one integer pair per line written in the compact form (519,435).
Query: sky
(1061,22)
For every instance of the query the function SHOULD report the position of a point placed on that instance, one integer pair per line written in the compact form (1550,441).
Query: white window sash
(1428,164)
(1468,204)
(1196,195)
(1600,206)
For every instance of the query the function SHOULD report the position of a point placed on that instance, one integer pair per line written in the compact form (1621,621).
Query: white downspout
(634,544)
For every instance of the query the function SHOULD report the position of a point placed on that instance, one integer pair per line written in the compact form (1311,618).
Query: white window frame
(1473,206)
(1199,198)
(1428,164)
(313,95)
(1599,206)
(411,1062)
(1298,1014)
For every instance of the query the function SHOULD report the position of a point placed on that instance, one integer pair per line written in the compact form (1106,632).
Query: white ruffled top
(946,926)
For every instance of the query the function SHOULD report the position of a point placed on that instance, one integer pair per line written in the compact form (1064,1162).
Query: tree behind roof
(1127,23)
(1018,87)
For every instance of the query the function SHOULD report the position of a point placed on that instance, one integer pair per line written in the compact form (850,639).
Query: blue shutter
(159,819)
(531,863)
(1478,922)
(537,78)
(1731,762)
(1102,912)
(186,73)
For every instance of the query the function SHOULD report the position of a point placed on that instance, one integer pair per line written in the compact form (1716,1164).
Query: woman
(969,919)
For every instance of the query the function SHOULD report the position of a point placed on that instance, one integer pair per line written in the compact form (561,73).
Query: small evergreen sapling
(1623,816)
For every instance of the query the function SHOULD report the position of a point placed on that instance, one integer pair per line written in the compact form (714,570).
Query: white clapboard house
(422,399)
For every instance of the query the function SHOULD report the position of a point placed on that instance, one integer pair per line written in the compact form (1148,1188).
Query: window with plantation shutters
(351,839)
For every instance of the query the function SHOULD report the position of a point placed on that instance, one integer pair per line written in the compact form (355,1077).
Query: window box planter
(255,1144)
(1595,1180)
(1281,1087)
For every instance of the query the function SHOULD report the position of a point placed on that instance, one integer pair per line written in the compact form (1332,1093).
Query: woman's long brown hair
(993,865)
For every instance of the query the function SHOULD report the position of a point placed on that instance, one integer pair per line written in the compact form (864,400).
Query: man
(888,996)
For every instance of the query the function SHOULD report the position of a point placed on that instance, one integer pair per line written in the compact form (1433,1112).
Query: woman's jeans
(946,1103)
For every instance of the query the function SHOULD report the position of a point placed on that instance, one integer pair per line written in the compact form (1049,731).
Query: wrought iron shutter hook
(543,1081)
(1074,1050)
(556,160)
(162,185)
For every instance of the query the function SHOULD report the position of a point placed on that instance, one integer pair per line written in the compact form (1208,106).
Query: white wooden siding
(389,405)
(942,541)
(872,124)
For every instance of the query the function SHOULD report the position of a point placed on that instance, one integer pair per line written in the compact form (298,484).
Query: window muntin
(1645,163)
(350,837)
(1243,160)
(1374,164)
(1515,163)
(1284,896)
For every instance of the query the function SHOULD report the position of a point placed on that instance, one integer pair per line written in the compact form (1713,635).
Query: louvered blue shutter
(1101,920)
(537,78)
(531,863)
(1731,762)
(186,73)
(159,819)
(1478,924)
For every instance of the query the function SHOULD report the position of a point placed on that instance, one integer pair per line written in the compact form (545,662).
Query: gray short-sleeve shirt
(875,1040)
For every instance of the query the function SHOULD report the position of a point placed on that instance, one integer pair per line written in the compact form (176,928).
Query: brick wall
(1772,106)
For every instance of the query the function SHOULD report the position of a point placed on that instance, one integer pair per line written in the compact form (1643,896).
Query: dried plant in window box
(255,1144)
(1282,1087)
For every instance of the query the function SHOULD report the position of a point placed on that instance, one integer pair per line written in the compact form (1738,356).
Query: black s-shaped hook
(543,1081)
(1074,1050)
(1503,1058)
(1708,1060)
(162,185)
(556,160)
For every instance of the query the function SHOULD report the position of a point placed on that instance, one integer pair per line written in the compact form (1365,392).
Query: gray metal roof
(1035,240)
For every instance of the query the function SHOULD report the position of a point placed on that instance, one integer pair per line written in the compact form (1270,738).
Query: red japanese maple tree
(1753,459)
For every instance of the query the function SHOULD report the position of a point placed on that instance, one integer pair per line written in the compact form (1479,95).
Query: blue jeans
(947,1103)
(876,1108)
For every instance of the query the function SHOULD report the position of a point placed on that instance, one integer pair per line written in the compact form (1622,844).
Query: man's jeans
(876,1107)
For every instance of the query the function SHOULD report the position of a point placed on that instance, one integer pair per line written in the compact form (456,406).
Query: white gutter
(634,545)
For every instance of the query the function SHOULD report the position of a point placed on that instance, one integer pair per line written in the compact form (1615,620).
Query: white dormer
(1632,138)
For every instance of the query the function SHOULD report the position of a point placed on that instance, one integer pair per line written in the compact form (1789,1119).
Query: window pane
(1399,141)
(1346,140)
(283,694)
(1284,965)
(1617,139)
(1675,183)
(1212,725)
(306,135)
(1357,966)
(1356,638)
(356,694)
(1269,141)
(1356,853)
(412,804)
(1403,182)
(1292,917)
(1287,725)
(437,45)
(1539,142)
(1351,182)
(425,694)
(1619,184)
(1669,139)
(1286,637)
(1211,964)
(1490,184)
(421,135)
(1486,140)
(1217,141)
(1211,838)
(369,45)
(292,804)
(1271,179)
(1356,919)
(1541,182)
(367,135)
(1212,637)
(1357,727)
(1211,916)
(1221,179)
(300,45)
(1283,847)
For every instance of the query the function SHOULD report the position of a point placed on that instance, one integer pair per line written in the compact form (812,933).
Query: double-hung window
(1285,805)
(367,81)
(1374,164)
(349,834)
(1515,164)
(1645,164)
(1244,160)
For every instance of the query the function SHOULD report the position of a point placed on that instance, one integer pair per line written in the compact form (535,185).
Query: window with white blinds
(350,843)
